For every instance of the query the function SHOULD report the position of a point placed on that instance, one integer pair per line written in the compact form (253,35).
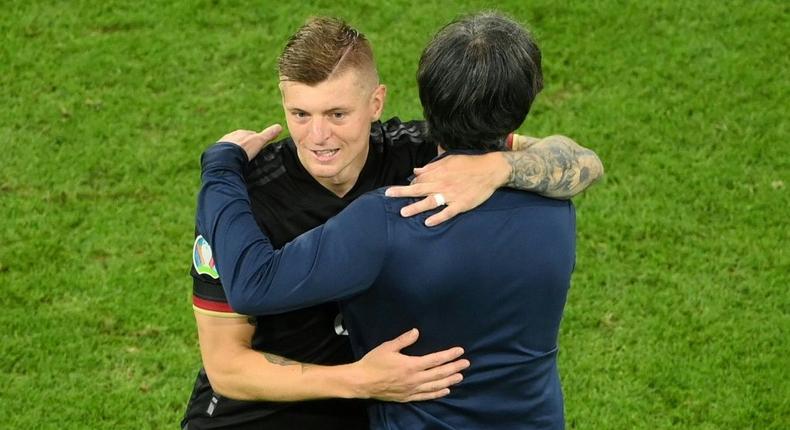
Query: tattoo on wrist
(556,168)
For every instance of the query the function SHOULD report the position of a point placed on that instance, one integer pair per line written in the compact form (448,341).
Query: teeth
(326,152)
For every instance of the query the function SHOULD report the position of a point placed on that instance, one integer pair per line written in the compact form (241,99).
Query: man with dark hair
(464,107)
(509,260)
(338,150)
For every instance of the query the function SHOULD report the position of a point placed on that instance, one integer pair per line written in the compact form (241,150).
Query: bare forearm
(554,166)
(254,375)
(237,371)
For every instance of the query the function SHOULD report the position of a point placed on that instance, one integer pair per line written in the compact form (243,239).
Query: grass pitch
(679,312)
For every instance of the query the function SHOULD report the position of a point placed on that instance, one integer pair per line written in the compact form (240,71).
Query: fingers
(236,136)
(430,361)
(413,190)
(240,136)
(427,204)
(431,166)
(423,205)
(440,384)
(401,378)
(439,380)
(440,373)
(253,144)
(403,340)
(271,132)
(256,141)
(448,213)
(428,396)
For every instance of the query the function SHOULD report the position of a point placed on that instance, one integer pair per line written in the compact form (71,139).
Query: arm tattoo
(282,361)
(555,166)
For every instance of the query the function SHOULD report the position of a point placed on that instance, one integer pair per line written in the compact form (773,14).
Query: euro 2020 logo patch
(203,259)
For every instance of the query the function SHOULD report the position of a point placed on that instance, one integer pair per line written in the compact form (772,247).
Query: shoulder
(364,220)
(373,200)
(404,144)
(394,132)
(376,203)
(518,198)
(269,164)
(373,204)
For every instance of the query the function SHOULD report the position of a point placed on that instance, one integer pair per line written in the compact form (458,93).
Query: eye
(338,115)
(299,114)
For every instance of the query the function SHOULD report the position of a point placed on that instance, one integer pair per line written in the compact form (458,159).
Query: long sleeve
(333,261)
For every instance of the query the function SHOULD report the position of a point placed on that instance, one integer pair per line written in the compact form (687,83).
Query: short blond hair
(324,47)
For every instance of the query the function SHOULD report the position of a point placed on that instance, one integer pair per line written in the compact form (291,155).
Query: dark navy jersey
(287,201)
(493,280)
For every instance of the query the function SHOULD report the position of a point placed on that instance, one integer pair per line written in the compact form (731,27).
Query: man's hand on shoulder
(458,182)
(554,166)
(250,141)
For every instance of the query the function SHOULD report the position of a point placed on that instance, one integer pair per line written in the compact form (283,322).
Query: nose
(319,130)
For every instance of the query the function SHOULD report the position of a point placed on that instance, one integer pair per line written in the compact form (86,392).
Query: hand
(252,142)
(464,182)
(386,374)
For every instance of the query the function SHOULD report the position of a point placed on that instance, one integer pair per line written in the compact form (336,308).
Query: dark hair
(477,80)
(324,46)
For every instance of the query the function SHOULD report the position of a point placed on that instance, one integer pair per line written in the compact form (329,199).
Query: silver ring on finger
(440,201)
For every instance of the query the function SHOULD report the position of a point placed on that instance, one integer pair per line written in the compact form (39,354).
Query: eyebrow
(330,110)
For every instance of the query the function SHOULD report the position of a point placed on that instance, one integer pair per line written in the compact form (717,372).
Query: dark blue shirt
(493,280)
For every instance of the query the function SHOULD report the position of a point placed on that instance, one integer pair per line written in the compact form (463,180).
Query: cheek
(357,130)
(296,130)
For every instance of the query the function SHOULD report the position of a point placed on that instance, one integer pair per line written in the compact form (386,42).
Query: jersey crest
(203,258)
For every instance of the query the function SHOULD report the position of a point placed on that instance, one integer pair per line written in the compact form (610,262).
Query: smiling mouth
(325,154)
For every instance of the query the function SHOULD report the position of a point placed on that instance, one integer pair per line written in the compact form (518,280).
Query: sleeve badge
(203,258)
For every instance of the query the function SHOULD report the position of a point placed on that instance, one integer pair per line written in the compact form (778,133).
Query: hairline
(366,79)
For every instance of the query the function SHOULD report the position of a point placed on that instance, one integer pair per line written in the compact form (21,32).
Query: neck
(339,188)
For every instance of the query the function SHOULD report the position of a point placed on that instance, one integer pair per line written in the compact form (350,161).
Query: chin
(323,171)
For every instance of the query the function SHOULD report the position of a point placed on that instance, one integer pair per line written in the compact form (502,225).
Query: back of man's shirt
(493,281)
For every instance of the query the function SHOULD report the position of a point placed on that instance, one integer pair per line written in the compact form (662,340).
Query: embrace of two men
(477,258)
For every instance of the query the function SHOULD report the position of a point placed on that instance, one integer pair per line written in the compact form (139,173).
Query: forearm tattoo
(555,166)
(282,361)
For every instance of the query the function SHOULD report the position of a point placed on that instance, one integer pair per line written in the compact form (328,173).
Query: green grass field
(679,314)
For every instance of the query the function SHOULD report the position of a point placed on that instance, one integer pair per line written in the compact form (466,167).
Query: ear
(281,86)
(282,102)
(377,100)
